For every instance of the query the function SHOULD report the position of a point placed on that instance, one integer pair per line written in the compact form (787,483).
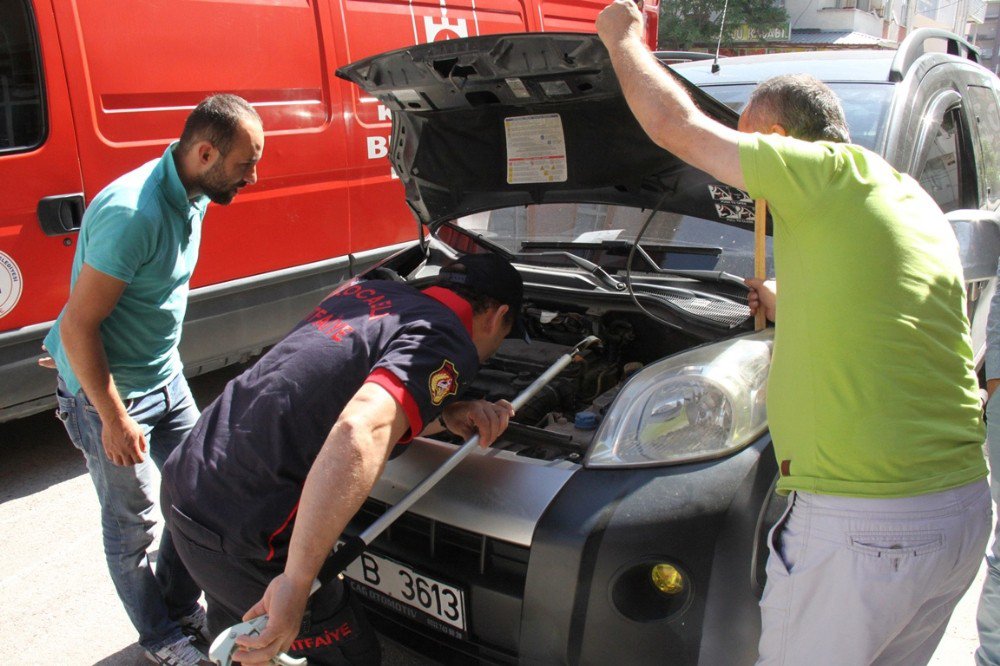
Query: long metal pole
(224,645)
(418,491)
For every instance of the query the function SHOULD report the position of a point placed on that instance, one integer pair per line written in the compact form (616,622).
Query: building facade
(987,36)
(851,24)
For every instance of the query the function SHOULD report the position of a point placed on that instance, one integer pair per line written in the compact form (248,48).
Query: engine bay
(561,420)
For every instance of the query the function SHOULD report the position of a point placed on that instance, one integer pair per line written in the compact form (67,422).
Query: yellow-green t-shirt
(872,390)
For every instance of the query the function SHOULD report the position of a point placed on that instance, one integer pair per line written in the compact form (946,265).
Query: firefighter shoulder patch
(443,382)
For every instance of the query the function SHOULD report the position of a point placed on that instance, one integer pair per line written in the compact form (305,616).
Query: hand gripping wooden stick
(760,255)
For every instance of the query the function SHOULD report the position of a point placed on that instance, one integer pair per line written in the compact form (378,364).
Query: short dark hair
(805,106)
(456,277)
(216,120)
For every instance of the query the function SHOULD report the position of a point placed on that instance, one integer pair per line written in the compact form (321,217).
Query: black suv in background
(622,517)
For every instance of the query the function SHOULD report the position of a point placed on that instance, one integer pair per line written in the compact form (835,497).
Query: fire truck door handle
(61,214)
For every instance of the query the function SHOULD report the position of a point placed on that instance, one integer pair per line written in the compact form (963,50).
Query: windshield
(866,106)
(604,234)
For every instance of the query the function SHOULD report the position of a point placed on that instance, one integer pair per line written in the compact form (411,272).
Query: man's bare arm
(342,476)
(660,104)
(340,479)
(92,299)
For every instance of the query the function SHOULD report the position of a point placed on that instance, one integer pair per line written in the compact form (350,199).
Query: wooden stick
(760,255)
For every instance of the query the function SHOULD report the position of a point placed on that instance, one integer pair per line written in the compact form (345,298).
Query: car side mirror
(978,234)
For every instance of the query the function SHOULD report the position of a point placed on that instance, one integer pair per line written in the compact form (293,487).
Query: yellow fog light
(667,579)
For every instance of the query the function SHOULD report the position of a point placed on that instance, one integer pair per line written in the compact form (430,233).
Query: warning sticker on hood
(536,149)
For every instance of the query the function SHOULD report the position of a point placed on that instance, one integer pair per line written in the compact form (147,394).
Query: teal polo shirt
(143,230)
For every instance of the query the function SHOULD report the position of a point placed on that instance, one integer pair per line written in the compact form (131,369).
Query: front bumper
(578,591)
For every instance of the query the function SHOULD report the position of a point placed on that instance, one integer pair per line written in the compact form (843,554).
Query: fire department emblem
(443,382)
(10,284)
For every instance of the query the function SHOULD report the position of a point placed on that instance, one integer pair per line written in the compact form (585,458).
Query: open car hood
(509,120)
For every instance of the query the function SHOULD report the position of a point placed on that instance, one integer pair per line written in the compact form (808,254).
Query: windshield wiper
(700,275)
(586,265)
(621,244)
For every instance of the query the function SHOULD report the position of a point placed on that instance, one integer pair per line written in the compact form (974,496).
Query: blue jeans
(988,616)
(153,602)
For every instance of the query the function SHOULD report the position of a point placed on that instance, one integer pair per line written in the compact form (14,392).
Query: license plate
(403,590)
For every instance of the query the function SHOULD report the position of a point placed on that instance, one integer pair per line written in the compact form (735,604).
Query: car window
(940,176)
(866,106)
(22,114)
(671,240)
(984,108)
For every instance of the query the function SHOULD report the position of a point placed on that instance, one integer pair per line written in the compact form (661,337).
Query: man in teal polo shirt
(873,400)
(121,391)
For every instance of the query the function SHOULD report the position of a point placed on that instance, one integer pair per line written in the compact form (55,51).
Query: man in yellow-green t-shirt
(872,399)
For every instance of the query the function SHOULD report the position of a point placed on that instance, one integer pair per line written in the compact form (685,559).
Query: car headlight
(700,404)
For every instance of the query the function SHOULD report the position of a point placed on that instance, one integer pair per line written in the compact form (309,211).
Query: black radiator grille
(416,539)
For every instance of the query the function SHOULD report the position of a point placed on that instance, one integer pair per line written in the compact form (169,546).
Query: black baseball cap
(490,275)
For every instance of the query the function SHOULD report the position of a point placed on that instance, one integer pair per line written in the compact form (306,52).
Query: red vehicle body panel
(121,77)
(25,178)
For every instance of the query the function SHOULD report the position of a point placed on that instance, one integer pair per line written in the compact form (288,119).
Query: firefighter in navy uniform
(261,490)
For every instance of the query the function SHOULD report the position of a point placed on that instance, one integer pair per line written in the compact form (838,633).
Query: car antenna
(718,45)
